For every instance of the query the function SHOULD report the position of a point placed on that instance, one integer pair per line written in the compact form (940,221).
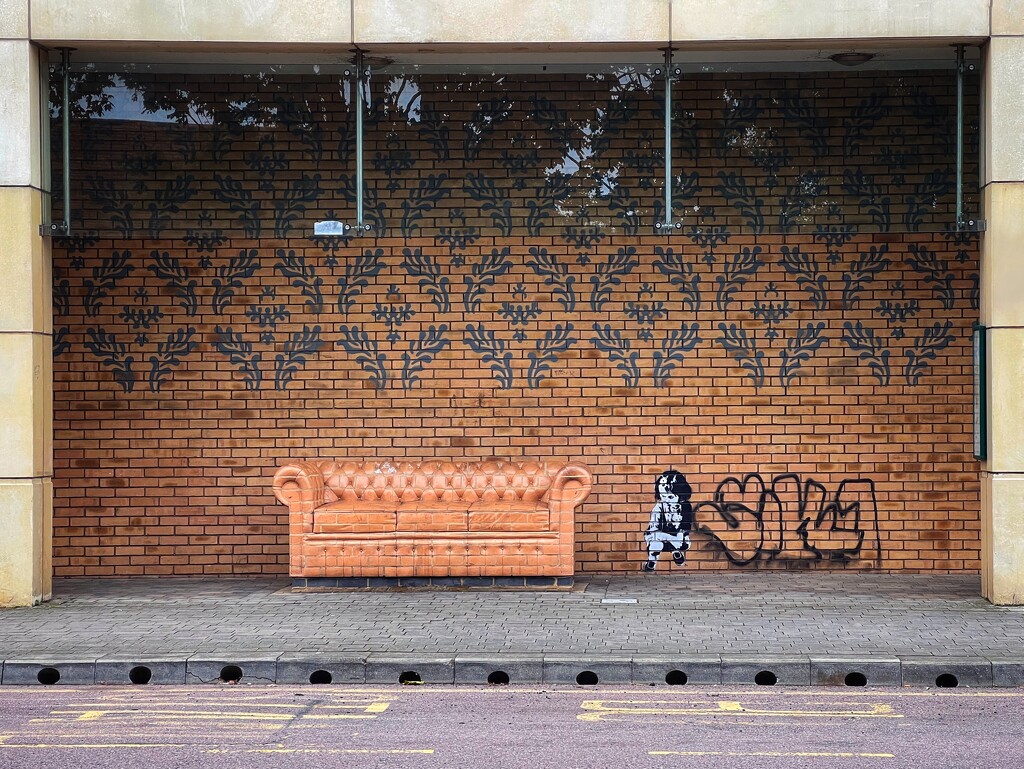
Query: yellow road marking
(766,754)
(327,751)
(599,709)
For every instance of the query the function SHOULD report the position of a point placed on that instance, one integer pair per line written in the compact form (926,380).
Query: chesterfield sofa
(368,524)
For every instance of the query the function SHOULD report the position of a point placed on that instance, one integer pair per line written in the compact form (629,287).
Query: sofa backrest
(432,481)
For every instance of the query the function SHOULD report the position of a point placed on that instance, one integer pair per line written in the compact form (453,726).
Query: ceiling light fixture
(852,58)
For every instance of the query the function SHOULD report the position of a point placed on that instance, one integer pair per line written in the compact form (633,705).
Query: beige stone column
(1002,310)
(26,370)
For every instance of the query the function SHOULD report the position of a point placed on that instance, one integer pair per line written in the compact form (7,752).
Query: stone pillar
(26,370)
(1002,309)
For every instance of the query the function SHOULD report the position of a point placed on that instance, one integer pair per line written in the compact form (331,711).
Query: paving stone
(926,671)
(697,669)
(520,668)
(567,668)
(342,668)
(788,670)
(876,670)
(1007,671)
(388,668)
(256,669)
(41,671)
(118,669)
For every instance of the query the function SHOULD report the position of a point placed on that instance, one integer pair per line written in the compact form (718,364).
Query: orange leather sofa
(358,519)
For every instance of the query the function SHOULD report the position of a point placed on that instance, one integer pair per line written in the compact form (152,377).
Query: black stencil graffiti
(791,518)
(671,519)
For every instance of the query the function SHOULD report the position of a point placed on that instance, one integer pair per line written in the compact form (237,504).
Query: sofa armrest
(300,485)
(571,486)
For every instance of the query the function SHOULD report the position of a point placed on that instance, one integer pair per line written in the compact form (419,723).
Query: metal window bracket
(63,227)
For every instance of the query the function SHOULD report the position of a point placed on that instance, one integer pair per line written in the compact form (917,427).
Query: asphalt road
(422,727)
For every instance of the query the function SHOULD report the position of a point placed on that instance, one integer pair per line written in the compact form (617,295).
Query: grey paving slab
(588,669)
(855,671)
(936,671)
(677,670)
(769,669)
(306,668)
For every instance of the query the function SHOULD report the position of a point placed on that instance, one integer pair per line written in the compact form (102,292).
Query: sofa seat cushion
(508,516)
(432,516)
(354,517)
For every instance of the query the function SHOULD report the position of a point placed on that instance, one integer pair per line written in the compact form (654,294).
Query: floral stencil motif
(482,189)
(170,269)
(742,266)
(555,274)
(300,345)
(423,350)
(743,197)
(175,193)
(483,275)
(169,354)
(618,349)
(863,271)
(302,276)
(609,274)
(555,342)
(114,355)
(798,350)
(357,343)
(680,274)
(240,353)
(230,276)
(105,278)
(422,199)
(744,349)
(869,348)
(935,272)
(807,274)
(240,200)
(925,348)
(427,270)
(834,237)
(491,351)
(673,349)
(357,277)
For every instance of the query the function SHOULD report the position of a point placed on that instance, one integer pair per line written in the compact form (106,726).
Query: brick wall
(808,327)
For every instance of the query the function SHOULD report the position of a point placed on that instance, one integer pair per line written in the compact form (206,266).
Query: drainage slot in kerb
(856,679)
(498,678)
(320,677)
(231,674)
(410,677)
(587,678)
(48,676)
(140,674)
(947,681)
(676,678)
(766,678)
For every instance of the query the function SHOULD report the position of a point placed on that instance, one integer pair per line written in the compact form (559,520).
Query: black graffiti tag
(791,518)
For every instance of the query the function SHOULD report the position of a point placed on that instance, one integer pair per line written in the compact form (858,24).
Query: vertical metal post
(361,79)
(960,72)
(64,227)
(668,137)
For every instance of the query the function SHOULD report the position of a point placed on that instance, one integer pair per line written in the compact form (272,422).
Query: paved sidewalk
(711,622)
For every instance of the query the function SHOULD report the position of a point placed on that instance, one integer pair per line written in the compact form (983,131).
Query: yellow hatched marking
(599,709)
(766,754)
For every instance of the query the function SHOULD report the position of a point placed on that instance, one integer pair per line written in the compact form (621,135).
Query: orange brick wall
(203,338)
